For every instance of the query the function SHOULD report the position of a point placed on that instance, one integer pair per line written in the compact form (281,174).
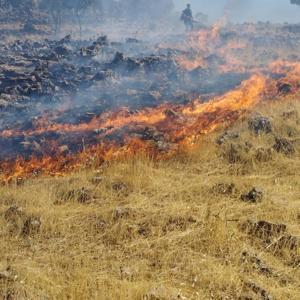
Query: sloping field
(186,228)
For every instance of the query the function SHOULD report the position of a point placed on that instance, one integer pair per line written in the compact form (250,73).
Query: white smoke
(246,10)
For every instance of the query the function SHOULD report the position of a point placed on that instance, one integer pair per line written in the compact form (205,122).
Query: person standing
(187,18)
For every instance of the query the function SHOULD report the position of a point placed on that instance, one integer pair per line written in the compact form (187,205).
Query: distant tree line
(132,8)
(61,10)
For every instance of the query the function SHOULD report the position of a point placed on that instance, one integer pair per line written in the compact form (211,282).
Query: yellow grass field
(176,229)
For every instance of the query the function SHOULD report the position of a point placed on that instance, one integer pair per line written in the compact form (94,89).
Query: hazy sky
(247,10)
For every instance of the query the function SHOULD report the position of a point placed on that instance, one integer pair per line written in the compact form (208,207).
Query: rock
(103,40)
(119,57)
(284,88)
(253,196)
(31,226)
(260,125)
(125,64)
(66,40)
(92,50)
(282,145)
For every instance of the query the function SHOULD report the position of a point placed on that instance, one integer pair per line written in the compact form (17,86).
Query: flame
(202,41)
(178,125)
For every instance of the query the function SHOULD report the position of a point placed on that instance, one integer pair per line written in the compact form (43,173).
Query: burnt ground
(68,81)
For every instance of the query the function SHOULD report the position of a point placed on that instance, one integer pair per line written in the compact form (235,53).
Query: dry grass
(160,230)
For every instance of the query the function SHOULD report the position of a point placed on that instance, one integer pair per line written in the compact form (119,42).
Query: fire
(178,125)
(201,42)
(54,148)
(208,42)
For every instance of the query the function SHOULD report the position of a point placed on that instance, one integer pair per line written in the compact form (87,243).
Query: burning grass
(210,80)
(151,229)
(158,132)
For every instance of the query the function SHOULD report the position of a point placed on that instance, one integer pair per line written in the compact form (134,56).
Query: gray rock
(253,196)
(260,125)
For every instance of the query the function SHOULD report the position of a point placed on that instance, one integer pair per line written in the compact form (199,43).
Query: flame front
(160,131)
(178,126)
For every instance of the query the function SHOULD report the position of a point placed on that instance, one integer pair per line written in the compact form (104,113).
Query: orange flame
(179,125)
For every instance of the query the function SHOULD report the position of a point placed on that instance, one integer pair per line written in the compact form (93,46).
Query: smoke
(245,11)
(134,9)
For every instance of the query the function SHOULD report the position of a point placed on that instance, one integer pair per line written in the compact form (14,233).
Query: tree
(55,9)
(79,6)
(58,8)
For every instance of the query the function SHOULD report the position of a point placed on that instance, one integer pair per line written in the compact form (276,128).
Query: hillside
(183,228)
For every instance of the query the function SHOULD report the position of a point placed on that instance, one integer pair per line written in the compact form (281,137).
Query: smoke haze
(246,10)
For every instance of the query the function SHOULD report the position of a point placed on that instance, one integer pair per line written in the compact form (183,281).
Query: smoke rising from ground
(241,10)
